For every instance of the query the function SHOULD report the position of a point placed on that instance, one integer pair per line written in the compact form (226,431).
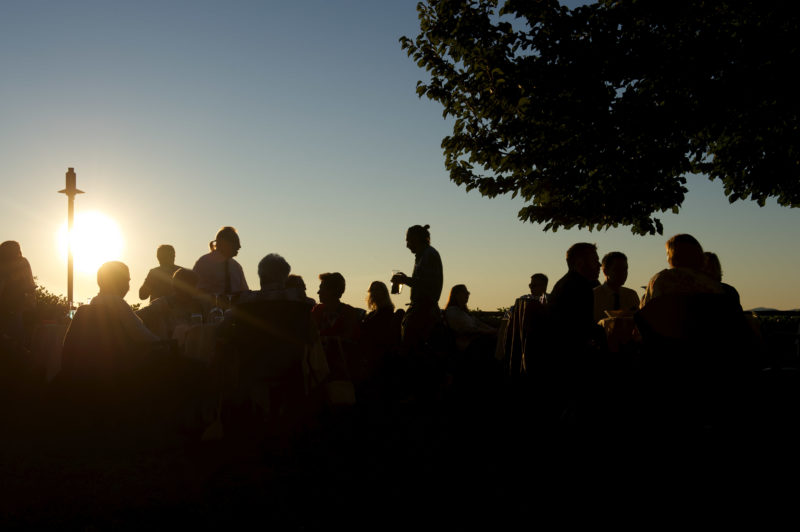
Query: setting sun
(96,239)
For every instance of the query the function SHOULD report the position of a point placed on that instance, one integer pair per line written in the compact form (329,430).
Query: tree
(596,115)
(49,306)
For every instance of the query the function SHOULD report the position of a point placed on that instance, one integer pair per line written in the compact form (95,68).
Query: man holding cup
(426,287)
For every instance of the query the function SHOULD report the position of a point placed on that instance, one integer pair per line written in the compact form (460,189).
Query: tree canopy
(596,115)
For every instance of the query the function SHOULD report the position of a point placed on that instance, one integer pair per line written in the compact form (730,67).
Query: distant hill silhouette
(765,309)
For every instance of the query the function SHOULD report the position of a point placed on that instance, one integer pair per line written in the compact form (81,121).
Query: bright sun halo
(96,239)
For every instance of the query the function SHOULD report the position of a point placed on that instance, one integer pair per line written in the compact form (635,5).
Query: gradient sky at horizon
(298,124)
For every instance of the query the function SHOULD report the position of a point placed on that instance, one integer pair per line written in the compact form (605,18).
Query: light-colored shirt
(680,281)
(465,326)
(461,322)
(210,270)
(604,300)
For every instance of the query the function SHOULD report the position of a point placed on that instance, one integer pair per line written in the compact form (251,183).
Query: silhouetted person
(166,313)
(158,282)
(263,346)
(611,295)
(713,269)
(685,275)
(105,338)
(338,326)
(699,351)
(297,283)
(17,290)
(538,288)
(273,272)
(469,331)
(334,318)
(426,287)
(114,279)
(380,328)
(217,272)
(524,320)
(572,298)
(575,338)
(117,371)
(380,307)
(379,324)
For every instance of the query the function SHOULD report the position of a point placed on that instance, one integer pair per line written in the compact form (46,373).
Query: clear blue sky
(297,123)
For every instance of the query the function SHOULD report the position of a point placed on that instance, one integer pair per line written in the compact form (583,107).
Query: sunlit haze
(298,124)
(96,239)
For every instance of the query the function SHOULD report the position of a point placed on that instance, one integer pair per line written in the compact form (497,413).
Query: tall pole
(70,191)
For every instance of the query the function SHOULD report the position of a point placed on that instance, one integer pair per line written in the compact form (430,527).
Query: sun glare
(96,239)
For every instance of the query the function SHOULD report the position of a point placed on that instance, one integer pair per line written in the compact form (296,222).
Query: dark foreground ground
(465,459)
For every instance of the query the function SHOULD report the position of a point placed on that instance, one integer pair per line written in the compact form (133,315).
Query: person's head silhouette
(712,266)
(538,284)
(165,255)
(684,251)
(378,296)
(114,278)
(459,297)
(184,283)
(418,238)
(615,268)
(273,269)
(226,242)
(331,287)
(582,258)
(296,282)
(10,251)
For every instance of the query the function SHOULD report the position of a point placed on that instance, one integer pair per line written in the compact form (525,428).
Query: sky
(298,124)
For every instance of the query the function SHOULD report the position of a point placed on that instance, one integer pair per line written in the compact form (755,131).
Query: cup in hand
(397,288)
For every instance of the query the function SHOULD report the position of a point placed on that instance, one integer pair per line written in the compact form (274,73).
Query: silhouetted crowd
(231,360)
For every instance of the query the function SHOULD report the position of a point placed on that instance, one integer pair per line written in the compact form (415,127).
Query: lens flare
(96,239)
